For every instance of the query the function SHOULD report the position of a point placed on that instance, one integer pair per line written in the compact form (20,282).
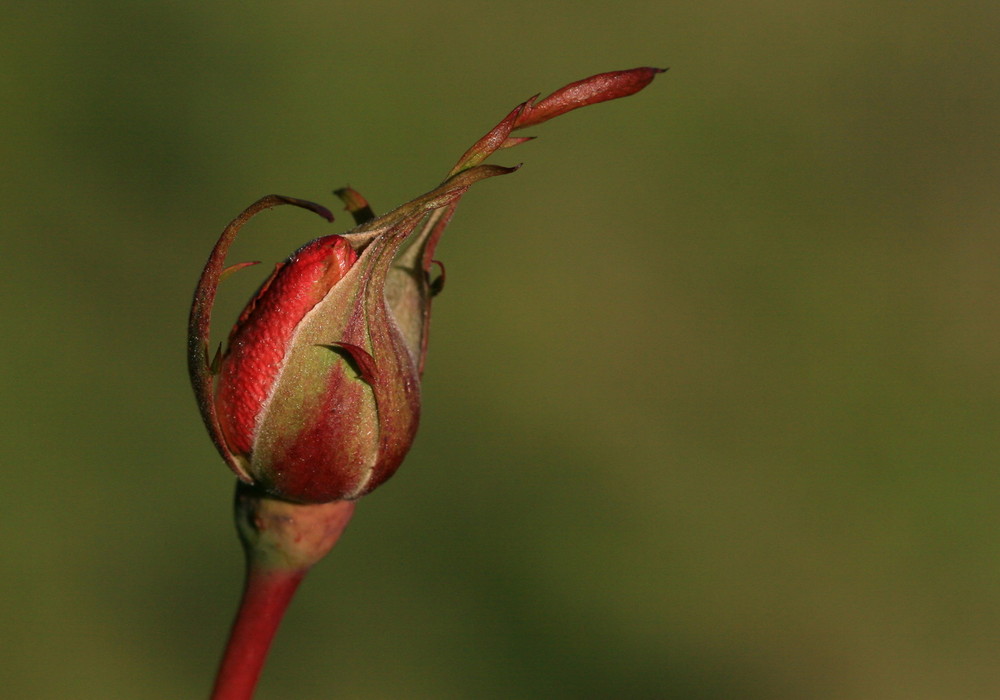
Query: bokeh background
(712,397)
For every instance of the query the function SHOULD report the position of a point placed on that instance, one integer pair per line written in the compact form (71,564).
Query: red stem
(266,594)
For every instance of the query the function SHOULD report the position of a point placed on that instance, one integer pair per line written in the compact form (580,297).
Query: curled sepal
(597,88)
(200,319)
(589,91)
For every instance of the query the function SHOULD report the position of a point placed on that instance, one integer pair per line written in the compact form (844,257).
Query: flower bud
(317,395)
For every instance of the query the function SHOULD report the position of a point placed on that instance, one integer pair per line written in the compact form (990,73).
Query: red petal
(259,342)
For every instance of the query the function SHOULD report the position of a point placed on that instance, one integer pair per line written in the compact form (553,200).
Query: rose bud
(317,395)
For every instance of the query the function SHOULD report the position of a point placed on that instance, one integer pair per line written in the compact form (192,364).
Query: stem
(266,595)
(282,541)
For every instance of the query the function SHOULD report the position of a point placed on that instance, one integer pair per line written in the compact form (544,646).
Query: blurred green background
(712,396)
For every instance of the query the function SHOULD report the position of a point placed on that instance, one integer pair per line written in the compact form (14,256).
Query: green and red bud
(316,397)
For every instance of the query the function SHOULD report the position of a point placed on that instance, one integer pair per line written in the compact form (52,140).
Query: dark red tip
(596,88)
